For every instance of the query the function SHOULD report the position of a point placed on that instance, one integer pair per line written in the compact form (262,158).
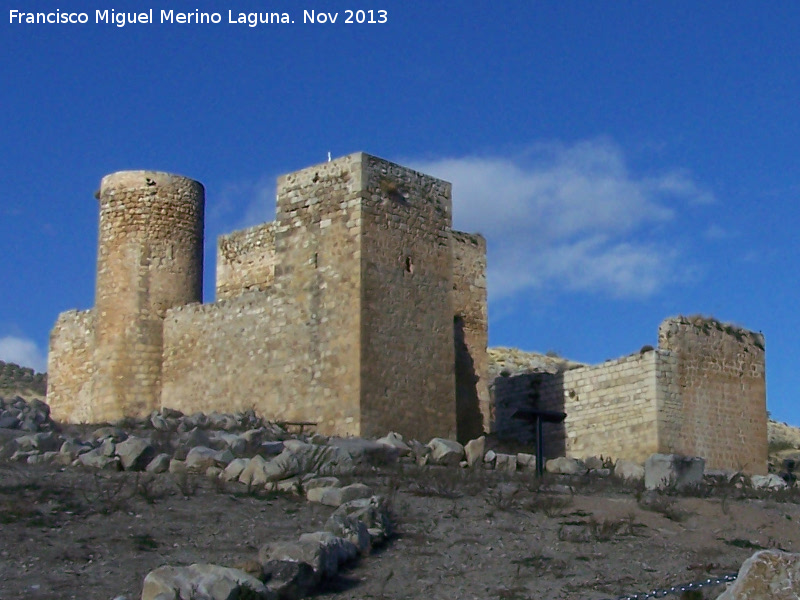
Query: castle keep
(358,308)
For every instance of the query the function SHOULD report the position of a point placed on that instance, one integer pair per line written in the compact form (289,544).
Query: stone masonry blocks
(341,312)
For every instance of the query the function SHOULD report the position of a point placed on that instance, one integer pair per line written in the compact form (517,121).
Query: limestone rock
(672,470)
(322,482)
(506,463)
(135,453)
(769,482)
(373,512)
(98,460)
(526,461)
(290,579)
(565,466)
(253,473)
(343,549)
(201,458)
(351,529)
(234,469)
(210,582)
(474,451)
(628,470)
(395,440)
(490,457)
(336,496)
(321,558)
(160,464)
(768,574)
(445,452)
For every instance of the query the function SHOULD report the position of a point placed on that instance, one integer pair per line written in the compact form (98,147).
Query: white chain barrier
(678,589)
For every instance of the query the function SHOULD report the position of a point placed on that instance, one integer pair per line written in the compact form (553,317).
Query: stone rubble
(241,448)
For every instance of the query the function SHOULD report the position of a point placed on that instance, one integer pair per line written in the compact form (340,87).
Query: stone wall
(719,373)
(471,325)
(407,366)
(70,368)
(245,261)
(355,330)
(700,393)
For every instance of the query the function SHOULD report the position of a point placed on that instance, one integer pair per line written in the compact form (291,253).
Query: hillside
(21,381)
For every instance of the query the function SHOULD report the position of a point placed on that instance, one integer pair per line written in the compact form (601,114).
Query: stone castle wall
(700,393)
(718,374)
(474,411)
(340,312)
(245,261)
(70,367)
(407,367)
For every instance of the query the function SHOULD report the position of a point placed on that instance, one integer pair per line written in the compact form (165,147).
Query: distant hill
(21,381)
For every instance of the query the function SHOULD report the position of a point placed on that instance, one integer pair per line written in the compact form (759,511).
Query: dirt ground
(72,533)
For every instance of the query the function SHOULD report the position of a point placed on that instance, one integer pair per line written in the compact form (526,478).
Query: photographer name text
(196,17)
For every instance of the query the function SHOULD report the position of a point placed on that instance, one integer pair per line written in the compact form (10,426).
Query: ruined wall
(719,371)
(69,367)
(700,393)
(150,258)
(245,260)
(611,408)
(407,366)
(470,327)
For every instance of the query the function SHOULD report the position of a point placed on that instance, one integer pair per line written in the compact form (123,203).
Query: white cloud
(243,204)
(23,352)
(569,217)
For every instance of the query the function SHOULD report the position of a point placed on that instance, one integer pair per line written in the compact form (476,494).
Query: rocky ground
(75,531)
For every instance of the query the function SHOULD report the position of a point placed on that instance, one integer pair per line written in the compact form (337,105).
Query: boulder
(343,549)
(506,463)
(565,466)
(322,559)
(395,440)
(373,512)
(768,574)
(336,496)
(210,582)
(768,482)
(235,443)
(445,452)
(351,529)
(672,470)
(474,451)
(525,461)
(253,473)
(160,464)
(201,458)
(628,470)
(234,469)
(98,460)
(135,453)
(290,579)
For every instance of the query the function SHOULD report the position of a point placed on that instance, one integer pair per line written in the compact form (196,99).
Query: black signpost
(540,416)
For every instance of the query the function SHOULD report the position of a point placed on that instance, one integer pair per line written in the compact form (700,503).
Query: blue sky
(626,161)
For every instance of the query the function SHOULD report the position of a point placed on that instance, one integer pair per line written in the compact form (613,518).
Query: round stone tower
(150,258)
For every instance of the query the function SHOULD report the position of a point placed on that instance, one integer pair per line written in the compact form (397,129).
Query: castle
(358,308)
(361,310)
